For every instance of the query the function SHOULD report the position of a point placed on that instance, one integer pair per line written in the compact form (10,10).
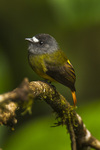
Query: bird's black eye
(41,42)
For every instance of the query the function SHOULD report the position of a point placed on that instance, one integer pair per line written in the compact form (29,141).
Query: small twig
(81,138)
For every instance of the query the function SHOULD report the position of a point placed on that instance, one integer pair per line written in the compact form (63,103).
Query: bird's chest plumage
(40,63)
(37,62)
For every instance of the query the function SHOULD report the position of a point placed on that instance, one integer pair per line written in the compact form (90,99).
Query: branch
(27,92)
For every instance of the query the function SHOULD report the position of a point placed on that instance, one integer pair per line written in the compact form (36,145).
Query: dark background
(76,27)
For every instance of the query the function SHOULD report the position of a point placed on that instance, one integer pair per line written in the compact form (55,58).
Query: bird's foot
(49,82)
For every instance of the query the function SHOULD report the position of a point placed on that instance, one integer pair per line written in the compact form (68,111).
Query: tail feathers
(74,97)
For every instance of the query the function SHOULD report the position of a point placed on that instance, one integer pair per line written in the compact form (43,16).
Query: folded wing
(64,74)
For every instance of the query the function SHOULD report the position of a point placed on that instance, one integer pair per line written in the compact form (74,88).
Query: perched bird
(49,61)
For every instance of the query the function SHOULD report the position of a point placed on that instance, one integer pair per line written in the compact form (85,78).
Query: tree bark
(23,97)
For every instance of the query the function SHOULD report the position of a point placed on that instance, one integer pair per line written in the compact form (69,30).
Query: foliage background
(76,27)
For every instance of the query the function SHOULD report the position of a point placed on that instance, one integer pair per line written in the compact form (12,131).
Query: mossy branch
(27,92)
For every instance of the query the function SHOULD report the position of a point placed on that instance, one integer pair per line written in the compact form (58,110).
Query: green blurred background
(76,26)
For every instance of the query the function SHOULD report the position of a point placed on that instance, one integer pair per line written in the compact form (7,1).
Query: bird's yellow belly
(39,67)
(45,76)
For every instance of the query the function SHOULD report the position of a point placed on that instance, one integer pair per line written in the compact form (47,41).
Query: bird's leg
(49,82)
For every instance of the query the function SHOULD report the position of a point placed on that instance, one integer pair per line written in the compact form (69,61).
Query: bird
(48,60)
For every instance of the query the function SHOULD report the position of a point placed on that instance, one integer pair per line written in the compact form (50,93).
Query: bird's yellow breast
(38,65)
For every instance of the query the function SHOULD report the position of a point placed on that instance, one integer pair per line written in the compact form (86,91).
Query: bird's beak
(29,39)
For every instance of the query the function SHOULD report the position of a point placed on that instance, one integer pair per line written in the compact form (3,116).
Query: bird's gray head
(42,44)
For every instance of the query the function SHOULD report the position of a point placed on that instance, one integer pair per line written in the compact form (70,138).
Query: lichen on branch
(24,96)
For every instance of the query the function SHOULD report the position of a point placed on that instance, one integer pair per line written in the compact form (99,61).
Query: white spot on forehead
(35,39)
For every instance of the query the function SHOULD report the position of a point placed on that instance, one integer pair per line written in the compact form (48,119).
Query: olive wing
(64,74)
